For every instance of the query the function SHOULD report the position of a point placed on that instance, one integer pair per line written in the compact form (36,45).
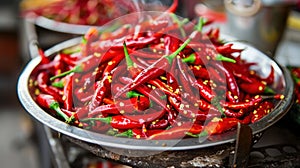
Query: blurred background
(17,148)
(18,143)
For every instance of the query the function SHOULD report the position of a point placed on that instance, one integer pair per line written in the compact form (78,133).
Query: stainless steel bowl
(283,81)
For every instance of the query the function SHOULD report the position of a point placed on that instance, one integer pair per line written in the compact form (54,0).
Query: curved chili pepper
(231,82)
(112,64)
(155,70)
(173,7)
(68,93)
(204,90)
(162,86)
(131,66)
(217,127)
(48,102)
(200,72)
(42,80)
(170,77)
(256,87)
(100,92)
(161,124)
(111,109)
(87,65)
(118,122)
(176,132)
(172,116)
(44,59)
(128,106)
(197,59)
(185,109)
(263,109)
(128,121)
(227,49)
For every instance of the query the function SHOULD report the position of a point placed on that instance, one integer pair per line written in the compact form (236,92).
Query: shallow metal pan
(250,54)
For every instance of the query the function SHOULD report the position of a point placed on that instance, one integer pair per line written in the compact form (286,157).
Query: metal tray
(251,54)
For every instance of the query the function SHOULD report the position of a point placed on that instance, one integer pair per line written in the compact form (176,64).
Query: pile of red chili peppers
(160,79)
(89,12)
(295,73)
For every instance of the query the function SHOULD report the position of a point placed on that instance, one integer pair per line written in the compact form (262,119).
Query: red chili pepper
(295,71)
(241,105)
(225,124)
(111,109)
(48,102)
(216,76)
(128,106)
(117,121)
(170,77)
(184,76)
(155,97)
(128,121)
(187,110)
(112,64)
(172,116)
(176,132)
(200,72)
(42,80)
(204,90)
(68,93)
(255,88)
(227,49)
(161,124)
(155,70)
(90,63)
(162,86)
(119,33)
(231,82)
(100,92)
(217,127)
(146,54)
(44,59)
(91,35)
(263,109)
(131,66)
(173,7)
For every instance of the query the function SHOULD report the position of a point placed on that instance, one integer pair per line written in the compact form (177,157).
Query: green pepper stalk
(76,69)
(48,102)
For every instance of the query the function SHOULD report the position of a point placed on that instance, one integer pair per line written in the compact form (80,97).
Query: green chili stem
(175,53)
(131,94)
(55,106)
(190,59)
(220,57)
(77,68)
(127,133)
(179,23)
(269,90)
(59,84)
(201,134)
(296,79)
(72,50)
(200,24)
(216,102)
(129,61)
(106,120)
